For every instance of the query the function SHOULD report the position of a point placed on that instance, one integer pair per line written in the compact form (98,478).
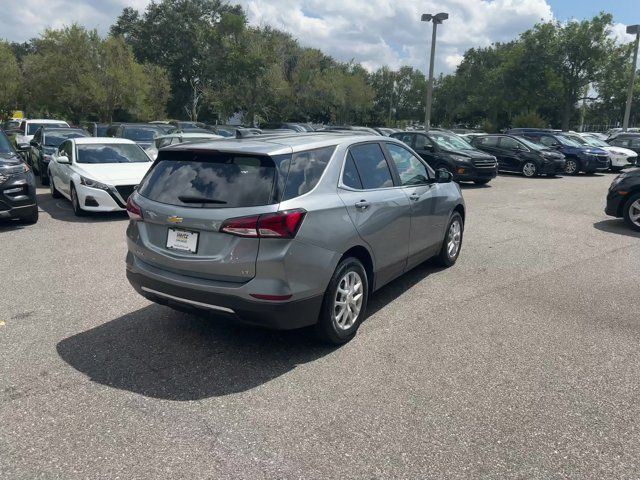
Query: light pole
(631,29)
(436,19)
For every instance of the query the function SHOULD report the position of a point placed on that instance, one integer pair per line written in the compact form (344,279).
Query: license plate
(182,240)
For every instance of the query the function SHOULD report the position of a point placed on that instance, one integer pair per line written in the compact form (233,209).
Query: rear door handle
(362,205)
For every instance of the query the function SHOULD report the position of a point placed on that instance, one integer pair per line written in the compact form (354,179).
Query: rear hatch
(184,200)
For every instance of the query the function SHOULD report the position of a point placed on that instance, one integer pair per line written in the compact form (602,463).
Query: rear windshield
(230,180)
(111,153)
(140,134)
(32,128)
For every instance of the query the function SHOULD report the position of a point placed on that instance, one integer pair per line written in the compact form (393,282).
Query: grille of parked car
(125,191)
(3,178)
(485,163)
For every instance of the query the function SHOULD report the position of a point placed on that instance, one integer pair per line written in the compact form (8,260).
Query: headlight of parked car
(14,169)
(87,182)
(460,158)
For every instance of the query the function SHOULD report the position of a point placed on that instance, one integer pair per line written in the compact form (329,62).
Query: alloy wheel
(634,212)
(529,169)
(454,238)
(348,300)
(571,167)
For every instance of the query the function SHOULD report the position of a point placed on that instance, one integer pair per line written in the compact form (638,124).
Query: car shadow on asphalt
(61,209)
(161,353)
(618,226)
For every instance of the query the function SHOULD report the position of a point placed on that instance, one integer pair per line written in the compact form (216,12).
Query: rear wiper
(191,199)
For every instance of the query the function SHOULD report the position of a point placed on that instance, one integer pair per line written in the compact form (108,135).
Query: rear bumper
(276,315)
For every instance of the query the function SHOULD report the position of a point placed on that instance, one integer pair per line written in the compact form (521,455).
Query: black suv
(445,150)
(623,200)
(45,144)
(17,185)
(517,154)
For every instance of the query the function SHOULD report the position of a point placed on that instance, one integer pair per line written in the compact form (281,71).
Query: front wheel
(571,166)
(529,169)
(75,203)
(52,189)
(632,212)
(482,182)
(452,242)
(345,303)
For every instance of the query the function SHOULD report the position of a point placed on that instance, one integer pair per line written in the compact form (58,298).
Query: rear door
(510,154)
(427,216)
(185,199)
(379,210)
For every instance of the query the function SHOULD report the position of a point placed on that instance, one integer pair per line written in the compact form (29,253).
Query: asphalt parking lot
(521,361)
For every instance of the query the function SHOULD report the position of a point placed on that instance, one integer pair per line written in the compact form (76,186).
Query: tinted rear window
(303,170)
(220,180)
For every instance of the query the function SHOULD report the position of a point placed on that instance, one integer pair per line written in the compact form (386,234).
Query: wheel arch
(632,191)
(364,256)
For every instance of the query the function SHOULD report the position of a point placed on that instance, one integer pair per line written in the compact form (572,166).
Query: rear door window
(211,180)
(372,166)
(303,170)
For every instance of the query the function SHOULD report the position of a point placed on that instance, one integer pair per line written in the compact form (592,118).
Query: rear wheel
(632,212)
(529,169)
(482,182)
(44,176)
(571,166)
(344,305)
(452,242)
(75,203)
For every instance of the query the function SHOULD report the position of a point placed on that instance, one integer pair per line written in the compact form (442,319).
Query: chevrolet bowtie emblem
(174,219)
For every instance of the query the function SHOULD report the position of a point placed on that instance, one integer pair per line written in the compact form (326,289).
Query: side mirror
(63,159)
(33,143)
(443,176)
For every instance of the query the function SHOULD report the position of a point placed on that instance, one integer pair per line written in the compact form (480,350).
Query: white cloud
(373,32)
(620,35)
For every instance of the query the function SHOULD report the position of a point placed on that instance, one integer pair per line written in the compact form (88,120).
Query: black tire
(75,203)
(327,328)
(615,169)
(444,258)
(571,166)
(31,218)
(634,199)
(44,177)
(482,182)
(530,169)
(53,190)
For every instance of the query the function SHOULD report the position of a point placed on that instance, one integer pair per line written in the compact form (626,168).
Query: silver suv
(290,230)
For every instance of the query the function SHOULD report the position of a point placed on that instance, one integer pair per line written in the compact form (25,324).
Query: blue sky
(624,11)
(372,32)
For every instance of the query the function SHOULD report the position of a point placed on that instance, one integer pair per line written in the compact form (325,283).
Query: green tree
(10,80)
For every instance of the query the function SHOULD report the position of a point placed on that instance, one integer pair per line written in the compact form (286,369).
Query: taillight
(271,225)
(133,209)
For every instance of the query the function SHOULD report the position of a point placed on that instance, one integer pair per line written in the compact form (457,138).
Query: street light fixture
(436,19)
(631,30)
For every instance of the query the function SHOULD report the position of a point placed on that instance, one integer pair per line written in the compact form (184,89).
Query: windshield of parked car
(594,142)
(450,142)
(5,145)
(32,128)
(111,153)
(56,139)
(140,134)
(532,145)
(566,141)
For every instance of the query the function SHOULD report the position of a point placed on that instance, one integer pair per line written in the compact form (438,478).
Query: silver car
(290,230)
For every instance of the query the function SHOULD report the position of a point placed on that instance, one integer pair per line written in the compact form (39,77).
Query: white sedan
(618,157)
(97,174)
